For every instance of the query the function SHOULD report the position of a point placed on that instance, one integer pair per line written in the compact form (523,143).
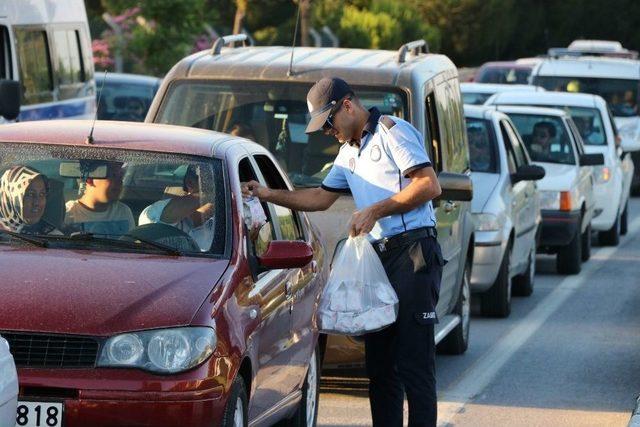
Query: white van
(613,179)
(617,80)
(46,64)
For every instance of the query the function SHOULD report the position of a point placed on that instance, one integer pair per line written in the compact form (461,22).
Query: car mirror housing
(528,173)
(591,159)
(286,254)
(9,99)
(455,187)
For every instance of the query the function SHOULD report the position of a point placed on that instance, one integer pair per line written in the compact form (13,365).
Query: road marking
(481,373)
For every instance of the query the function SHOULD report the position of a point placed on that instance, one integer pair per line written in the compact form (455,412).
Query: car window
(576,137)
(5,54)
(503,75)
(482,146)
(518,145)
(471,98)
(122,100)
(511,157)
(274,114)
(261,237)
(34,61)
(588,121)
(545,137)
(288,221)
(70,69)
(512,139)
(113,200)
(434,138)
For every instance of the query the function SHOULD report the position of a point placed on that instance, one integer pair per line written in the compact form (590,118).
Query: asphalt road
(569,355)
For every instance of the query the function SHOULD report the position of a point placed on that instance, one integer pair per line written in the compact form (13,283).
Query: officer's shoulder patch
(387,122)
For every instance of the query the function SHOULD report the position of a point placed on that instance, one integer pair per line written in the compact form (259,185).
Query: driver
(98,209)
(478,150)
(542,139)
(186,213)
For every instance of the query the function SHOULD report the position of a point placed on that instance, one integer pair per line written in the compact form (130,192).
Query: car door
(273,337)
(586,175)
(528,211)
(301,286)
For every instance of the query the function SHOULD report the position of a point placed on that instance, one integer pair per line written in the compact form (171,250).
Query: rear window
(503,75)
(483,154)
(475,98)
(128,101)
(545,138)
(273,114)
(620,94)
(112,200)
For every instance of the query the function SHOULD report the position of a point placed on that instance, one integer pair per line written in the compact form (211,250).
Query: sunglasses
(328,124)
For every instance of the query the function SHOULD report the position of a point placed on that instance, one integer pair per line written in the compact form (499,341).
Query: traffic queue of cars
(173,307)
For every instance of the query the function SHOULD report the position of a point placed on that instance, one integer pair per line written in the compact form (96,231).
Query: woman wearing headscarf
(23,198)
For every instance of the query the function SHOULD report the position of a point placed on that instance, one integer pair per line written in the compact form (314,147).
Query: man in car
(479,154)
(541,140)
(98,209)
(384,165)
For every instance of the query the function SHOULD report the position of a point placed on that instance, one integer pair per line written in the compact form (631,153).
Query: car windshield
(503,75)
(545,138)
(128,101)
(482,146)
(471,98)
(273,114)
(620,94)
(111,200)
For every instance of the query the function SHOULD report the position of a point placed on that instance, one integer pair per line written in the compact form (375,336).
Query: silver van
(260,93)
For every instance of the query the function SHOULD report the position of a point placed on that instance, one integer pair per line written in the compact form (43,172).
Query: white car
(598,131)
(566,192)
(506,209)
(478,93)
(616,80)
(8,386)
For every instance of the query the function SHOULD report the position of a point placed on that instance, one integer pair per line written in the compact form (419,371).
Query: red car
(140,289)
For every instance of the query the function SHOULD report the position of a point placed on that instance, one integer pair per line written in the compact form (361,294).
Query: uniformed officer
(384,165)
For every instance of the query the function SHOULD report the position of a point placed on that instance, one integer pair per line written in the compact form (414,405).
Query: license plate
(39,414)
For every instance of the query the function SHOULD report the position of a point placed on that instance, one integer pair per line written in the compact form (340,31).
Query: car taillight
(565,201)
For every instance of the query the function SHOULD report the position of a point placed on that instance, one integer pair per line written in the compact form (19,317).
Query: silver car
(506,209)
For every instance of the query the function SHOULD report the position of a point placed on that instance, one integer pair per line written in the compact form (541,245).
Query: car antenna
(89,139)
(295,36)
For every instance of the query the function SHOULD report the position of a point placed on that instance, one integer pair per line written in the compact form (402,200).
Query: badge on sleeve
(376,154)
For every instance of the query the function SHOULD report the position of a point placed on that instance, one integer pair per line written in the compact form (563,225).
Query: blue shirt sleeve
(336,181)
(406,146)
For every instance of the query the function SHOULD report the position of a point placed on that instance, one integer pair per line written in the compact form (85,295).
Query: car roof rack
(226,40)
(557,52)
(417,47)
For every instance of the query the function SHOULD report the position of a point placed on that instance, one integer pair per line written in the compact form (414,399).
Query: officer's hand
(362,222)
(254,188)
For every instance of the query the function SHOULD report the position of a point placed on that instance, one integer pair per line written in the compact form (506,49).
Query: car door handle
(449,206)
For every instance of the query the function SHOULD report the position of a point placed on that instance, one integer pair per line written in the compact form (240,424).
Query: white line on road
(481,373)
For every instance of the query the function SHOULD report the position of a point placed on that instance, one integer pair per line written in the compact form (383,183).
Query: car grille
(52,351)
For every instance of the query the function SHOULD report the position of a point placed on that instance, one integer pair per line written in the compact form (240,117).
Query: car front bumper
(119,398)
(487,256)
(559,227)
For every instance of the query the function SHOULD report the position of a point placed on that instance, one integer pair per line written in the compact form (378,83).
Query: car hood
(483,186)
(557,177)
(101,293)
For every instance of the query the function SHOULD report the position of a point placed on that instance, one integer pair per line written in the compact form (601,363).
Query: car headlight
(163,350)
(603,174)
(487,222)
(550,200)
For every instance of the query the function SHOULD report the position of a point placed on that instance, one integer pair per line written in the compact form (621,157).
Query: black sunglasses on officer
(328,124)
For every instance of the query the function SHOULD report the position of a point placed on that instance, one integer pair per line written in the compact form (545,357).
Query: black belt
(405,238)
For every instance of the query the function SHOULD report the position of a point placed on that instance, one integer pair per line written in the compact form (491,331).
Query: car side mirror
(455,187)
(286,254)
(528,173)
(592,159)
(9,99)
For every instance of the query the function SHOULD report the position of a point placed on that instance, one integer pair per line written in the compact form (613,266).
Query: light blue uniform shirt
(378,169)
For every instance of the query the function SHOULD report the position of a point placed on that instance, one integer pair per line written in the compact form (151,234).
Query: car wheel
(586,244)
(523,283)
(235,411)
(569,257)
(307,412)
(496,302)
(611,237)
(457,341)
(624,220)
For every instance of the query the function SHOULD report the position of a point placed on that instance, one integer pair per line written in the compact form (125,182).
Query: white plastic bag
(358,297)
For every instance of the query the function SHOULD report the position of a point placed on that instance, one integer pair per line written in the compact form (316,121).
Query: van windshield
(620,94)
(273,114)
(545,138)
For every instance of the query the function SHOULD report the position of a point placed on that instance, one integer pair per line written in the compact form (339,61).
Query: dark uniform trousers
(401,358)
